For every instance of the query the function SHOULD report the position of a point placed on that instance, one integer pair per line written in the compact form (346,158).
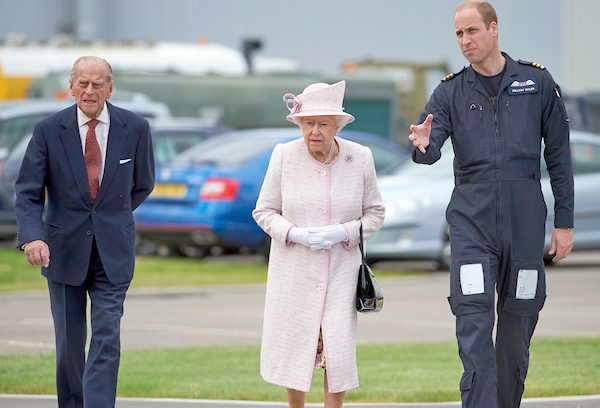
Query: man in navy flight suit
(497,112)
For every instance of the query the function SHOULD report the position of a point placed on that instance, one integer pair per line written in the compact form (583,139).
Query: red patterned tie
(93,159)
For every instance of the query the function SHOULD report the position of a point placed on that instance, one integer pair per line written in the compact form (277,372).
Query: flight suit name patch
(523,85)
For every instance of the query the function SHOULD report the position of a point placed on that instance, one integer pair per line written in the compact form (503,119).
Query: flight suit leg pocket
(511,392)
(466,381)
(526,288)
(471,289)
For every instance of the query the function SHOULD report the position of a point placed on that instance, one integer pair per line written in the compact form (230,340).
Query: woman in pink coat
(316,193)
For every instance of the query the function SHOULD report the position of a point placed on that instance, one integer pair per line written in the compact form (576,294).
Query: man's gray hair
(109,72)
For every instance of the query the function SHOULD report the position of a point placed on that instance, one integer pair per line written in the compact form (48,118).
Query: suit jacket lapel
(72,142)
(116,141)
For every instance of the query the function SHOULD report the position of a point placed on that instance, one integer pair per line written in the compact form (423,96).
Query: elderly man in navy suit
(90,166)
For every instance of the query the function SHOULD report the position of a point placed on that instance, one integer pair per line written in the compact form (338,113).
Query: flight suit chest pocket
(471,286)
(523,134)
(526,288)
(472,133)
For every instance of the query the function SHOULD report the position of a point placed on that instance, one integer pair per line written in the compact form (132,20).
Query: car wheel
(444,259)
(168,250)
(144,247)
(265,248)
(193,251)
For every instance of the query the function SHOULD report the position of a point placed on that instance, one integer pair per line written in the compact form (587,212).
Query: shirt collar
(83,119)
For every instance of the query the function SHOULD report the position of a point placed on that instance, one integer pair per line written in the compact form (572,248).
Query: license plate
(169,191)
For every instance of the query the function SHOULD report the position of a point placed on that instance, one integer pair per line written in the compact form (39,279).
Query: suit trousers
(91,383)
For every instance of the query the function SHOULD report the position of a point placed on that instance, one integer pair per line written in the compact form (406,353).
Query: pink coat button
(320,286)
(323,210)
(323,173)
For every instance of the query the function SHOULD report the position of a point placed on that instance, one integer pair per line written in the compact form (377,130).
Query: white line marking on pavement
(538,331)
(193,330)
(27,322)
(423,323)
(565,333)
(27,344)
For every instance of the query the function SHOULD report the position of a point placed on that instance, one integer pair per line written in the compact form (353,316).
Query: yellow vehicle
(14,86)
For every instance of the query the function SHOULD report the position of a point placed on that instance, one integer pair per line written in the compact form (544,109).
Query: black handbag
(369,298)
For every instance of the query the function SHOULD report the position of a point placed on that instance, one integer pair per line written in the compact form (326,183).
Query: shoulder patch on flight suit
(533,64)
(450,76)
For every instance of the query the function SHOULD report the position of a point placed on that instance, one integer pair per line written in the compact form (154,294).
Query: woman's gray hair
(340,121)
(109,72)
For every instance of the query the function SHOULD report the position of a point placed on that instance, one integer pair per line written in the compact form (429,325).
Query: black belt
(469,180)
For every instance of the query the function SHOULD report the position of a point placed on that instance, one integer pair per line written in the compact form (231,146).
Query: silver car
(416,197)
(17,119)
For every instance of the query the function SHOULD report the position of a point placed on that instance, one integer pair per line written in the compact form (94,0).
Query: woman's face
(318,132)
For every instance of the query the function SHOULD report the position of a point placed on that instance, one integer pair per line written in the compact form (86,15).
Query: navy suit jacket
(53,175)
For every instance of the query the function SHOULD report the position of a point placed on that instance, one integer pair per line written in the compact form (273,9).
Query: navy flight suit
(497,216)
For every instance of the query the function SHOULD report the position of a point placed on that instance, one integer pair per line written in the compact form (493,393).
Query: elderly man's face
(91,87)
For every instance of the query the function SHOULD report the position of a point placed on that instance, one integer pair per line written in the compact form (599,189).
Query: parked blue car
(203,200)
(170,136)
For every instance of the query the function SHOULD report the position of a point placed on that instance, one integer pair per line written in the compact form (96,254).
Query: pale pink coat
(309,289)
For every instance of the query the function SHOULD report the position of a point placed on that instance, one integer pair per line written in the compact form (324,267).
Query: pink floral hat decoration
(318,99)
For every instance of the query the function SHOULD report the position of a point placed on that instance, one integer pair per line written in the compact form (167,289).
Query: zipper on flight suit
(498,160)
(495,109)
(509,130)
(497,141)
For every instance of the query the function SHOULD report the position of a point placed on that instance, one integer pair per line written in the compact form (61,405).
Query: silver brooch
(348,158)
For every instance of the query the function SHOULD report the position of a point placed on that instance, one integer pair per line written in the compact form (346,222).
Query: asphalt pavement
(416,310)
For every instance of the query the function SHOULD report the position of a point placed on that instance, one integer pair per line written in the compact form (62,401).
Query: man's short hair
(109,72)
(485,9)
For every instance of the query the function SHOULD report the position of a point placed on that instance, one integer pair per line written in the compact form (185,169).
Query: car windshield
(167,144)
(225,150)
(18,151)
(11,130)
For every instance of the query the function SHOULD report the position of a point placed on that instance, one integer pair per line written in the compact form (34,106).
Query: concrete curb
(40,401)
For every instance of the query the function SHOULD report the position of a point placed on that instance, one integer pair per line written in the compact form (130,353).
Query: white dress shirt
(101,133)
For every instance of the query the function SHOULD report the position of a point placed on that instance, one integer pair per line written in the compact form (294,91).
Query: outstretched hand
(420,134)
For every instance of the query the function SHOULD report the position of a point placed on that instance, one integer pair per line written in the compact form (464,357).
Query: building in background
(556,33)
(311,37)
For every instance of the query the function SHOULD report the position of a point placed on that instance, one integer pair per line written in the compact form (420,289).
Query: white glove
(313,238)
(299,236)
(338,233)
(325,237)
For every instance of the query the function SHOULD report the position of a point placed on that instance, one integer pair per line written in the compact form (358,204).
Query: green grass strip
(403,372)
(16,275)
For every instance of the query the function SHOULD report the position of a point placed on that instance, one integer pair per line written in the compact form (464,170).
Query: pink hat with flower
(318,99)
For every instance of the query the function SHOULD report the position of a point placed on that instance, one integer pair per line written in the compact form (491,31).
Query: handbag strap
(360,245)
